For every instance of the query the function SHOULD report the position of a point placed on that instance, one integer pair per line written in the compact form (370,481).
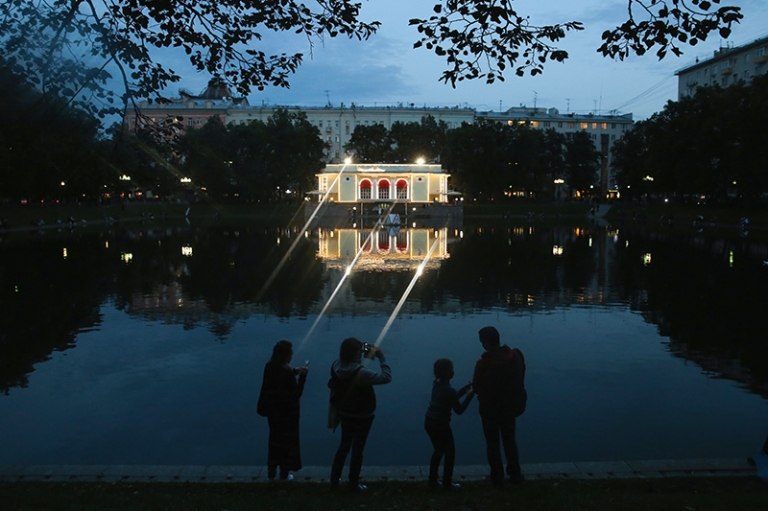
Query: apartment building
(727,66)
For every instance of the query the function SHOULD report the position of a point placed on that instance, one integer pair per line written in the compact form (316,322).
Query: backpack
(508,382)
(347,397)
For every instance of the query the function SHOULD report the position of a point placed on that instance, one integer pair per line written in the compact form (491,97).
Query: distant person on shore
(354,402)
(760,461)
(499,382)
(279,403)
(437,422)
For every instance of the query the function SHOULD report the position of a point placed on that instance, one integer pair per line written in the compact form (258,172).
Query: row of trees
(50,150)
(258,161)
(711,143)
(487,160)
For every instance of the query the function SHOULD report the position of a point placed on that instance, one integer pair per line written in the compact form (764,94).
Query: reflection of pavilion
(388,248)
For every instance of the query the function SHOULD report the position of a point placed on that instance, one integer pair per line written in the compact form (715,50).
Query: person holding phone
(354,400)
(281,389)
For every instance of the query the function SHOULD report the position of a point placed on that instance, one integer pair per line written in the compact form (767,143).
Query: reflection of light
(590,241)
(186,251)
(557,250)
(646,259)
(126,256)
(106,244)
(730,259)
(65,252)
(626,244)
(461,234)
(278,241)
(419,271)
(349,270)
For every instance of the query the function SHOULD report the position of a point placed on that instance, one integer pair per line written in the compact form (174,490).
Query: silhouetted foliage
(72,49)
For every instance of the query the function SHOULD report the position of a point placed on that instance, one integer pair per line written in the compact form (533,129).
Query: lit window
(584,125)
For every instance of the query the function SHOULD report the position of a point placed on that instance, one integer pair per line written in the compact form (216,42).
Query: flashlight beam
(395,312)
(368,240)
(280,265)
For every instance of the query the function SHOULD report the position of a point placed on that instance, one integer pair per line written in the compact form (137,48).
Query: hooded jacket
(352,384)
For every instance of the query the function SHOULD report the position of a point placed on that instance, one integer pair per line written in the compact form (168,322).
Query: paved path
(244,474)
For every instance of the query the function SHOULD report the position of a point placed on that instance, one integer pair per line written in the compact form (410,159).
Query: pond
(146,344)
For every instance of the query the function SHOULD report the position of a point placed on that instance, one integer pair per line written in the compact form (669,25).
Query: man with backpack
(499,382)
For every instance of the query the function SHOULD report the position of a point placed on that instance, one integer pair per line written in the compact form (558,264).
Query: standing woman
(279,402)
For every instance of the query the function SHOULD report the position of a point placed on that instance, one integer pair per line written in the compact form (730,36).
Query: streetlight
(420,161)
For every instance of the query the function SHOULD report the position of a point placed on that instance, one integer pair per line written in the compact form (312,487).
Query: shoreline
(592,470)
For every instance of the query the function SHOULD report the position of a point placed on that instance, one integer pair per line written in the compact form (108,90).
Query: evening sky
(387,71)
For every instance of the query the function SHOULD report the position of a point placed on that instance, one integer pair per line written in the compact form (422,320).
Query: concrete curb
(646,469)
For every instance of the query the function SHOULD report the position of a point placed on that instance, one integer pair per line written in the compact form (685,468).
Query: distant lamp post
(559,181)
(64,184)
(124,178)
(347,160)
(420,161)
(648,178)
(185,180)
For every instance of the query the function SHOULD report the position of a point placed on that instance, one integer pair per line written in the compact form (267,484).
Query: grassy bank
(684,494)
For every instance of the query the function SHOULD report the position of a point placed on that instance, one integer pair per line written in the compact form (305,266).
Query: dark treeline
(487,160)
(712,144)
(52,151)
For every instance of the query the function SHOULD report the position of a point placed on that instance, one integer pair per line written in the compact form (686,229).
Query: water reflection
(706,294)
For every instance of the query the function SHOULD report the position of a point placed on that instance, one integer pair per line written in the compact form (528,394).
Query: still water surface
(147,345)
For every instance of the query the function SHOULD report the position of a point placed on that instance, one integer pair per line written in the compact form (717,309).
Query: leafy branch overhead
(77,48)
(666,24)
(482,38)
(55,43)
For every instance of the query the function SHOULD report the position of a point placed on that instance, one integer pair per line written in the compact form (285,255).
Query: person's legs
(493,448)
(450,457)
(361,429)
(434,431)
(274,454)
(508,427)
(347,435)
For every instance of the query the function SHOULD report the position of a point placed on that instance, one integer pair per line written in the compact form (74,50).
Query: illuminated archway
(401,189)
(365,189)
(383,186)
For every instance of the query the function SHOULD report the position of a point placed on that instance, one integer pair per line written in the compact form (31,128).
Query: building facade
(727,66)
(379,183)
(337,123)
